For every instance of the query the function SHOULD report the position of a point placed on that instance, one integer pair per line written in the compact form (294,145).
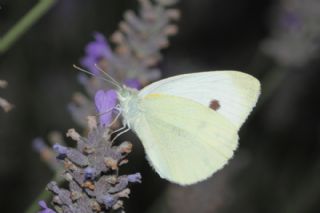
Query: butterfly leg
(120,129)
(119,134)
(117,116)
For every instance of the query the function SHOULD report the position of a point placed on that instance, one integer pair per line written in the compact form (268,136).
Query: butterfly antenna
(108,75)
(89,73)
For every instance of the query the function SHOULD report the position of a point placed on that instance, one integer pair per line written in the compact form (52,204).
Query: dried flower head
(92,169)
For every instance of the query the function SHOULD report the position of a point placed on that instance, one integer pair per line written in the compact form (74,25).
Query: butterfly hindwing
(185,141)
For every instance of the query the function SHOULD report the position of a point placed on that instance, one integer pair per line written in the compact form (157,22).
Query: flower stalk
(24,24)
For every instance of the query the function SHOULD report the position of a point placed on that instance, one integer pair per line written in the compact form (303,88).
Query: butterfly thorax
(129,103)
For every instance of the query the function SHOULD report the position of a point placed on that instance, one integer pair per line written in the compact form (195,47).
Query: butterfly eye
(215,105)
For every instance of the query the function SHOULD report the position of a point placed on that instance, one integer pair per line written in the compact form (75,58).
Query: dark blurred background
(276,168)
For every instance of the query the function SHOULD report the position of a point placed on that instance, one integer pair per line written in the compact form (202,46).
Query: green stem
(44,195)
(24,24)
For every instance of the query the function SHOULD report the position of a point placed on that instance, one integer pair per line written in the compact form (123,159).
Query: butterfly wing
(232,93)
(185,141)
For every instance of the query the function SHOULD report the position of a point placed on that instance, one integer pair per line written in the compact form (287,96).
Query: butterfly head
(126,93)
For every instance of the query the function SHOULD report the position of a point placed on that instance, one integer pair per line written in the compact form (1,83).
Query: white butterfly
(188,124)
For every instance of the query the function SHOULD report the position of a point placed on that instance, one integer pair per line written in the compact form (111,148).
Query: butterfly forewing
(230,93)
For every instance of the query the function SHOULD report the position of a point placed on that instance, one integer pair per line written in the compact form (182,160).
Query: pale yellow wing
(185,141)
(235,93)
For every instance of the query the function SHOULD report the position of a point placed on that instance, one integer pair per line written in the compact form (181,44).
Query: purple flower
(60,150)
(38,144)
(134,178)
(133,83)
(83,79)
(89,172)
(44,207)
(95,51)
(108,200)
(291,20)
(105,101)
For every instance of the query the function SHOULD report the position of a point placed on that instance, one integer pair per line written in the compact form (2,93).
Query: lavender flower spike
(95,52)
(94,186)
(105,102)
(44,207)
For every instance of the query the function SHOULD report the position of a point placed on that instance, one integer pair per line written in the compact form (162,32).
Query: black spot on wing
(215,105)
